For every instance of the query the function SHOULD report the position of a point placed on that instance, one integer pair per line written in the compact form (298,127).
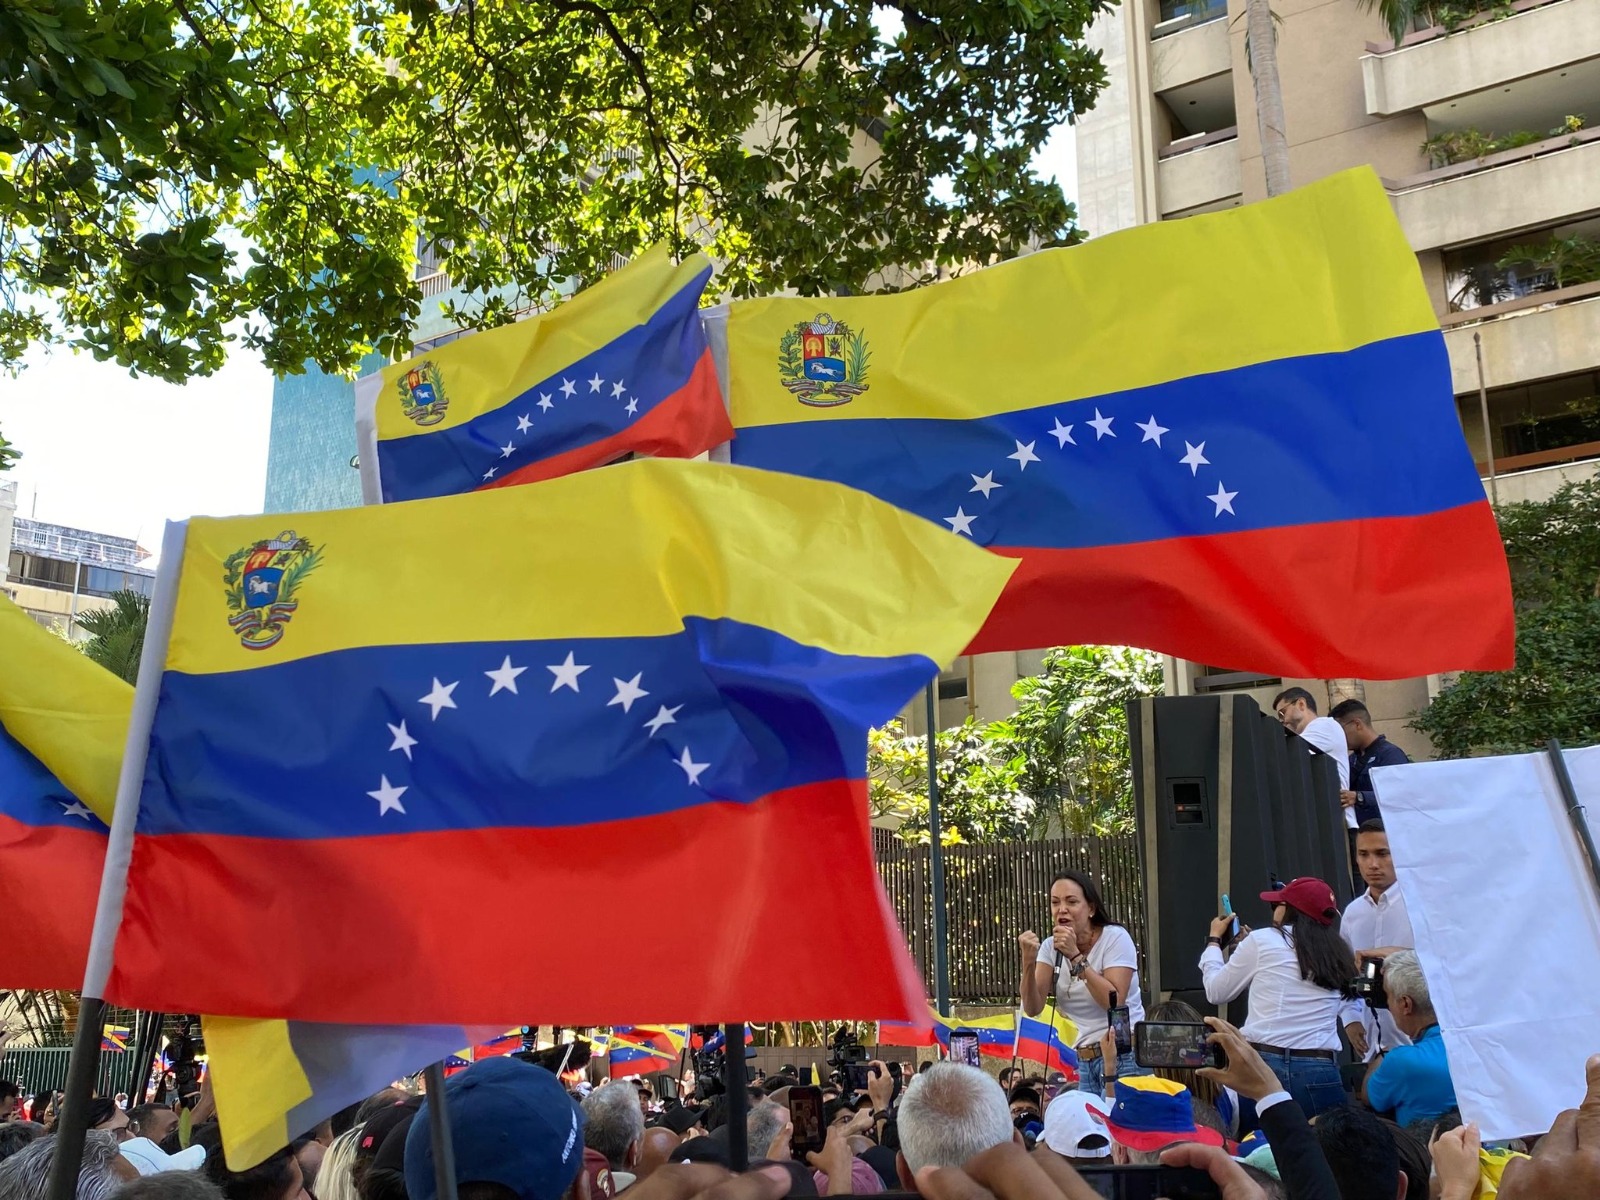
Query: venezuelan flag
(1230,438)
(63,723)
(622,367)
(114,1038)
(497,1047)
(670,1039)
(444,693)
(997,1036)
(627,1057)
(1049,1042)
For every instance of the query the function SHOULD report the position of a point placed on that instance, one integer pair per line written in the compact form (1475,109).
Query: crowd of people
(1335,1086)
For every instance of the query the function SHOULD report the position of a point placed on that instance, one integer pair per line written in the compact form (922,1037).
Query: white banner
(1507,922)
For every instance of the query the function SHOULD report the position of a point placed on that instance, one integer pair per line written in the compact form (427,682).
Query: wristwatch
(1214,940)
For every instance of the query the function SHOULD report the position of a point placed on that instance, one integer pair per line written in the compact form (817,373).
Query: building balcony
(1187,50)
(1200,172)
(1543,48)
(1518,481)
(1546,183)
(1534,337)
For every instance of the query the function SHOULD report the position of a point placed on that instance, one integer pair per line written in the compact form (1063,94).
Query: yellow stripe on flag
(1135,308)
(257,1080)
(812,556)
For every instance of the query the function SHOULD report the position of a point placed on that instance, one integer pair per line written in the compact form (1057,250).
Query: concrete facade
(1351,97)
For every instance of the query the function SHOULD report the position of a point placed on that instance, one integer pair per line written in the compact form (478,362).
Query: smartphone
(1121,1025)
(810,1125)
(1227,911)
(964,1047)
(1112,1182)
(1176,1044)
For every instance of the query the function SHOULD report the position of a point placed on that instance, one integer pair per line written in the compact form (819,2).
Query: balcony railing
(1433,32)
(1198,141)
(1581,452)
(1551,145)
(1175,17)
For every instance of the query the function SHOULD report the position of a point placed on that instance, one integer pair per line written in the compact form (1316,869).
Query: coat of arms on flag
(261,582)
(823,362)
(422,395)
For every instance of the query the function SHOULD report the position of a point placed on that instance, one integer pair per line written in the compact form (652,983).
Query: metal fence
(995,891)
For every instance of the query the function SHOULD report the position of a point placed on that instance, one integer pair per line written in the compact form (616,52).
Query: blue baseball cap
(511,1123)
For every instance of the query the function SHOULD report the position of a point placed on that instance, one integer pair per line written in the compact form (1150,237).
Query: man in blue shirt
(1412,1082)
(1368,749)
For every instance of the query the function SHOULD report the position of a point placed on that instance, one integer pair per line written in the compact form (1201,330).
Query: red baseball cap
(1307,895)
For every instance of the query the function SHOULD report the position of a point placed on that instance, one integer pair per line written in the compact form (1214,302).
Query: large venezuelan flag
(1230,438)
(63,722)
(626,1057)
(439,699)
(622,367)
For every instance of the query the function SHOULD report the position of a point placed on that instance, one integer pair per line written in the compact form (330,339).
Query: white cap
(1067,1124)
(150,1159)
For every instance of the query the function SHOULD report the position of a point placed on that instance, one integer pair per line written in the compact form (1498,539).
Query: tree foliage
(116,634)
(172,172)
(1554,689)
(1058,766)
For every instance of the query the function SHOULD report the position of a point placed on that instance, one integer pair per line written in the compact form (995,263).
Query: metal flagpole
(941,961)
(1569,794)
(81,1068)
(444,1149)
(733,1082)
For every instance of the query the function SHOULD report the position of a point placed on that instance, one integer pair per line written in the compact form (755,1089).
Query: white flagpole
(368,389)
(74,1121)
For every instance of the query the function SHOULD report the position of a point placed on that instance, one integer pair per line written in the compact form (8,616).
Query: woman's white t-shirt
(1114,948)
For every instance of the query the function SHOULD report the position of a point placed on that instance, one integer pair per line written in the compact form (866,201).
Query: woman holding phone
(1093,965)
(1298,976)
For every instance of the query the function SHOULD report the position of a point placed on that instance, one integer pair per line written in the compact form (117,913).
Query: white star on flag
(960,523)
(523,424)
(617,389)
(1102,426)
(1152,431)
(439,697)
(388,796)
(594,384)
(545,402)
(505,677)
(75,809)
(628,690)
(1195,458)
(1024,455)
(984,483)
(1063,435)
(691,768)
(489,474)
(664,716)
(566,673)
(402,739)
(1223,500)
(633,407)
(508,450)
(568,388)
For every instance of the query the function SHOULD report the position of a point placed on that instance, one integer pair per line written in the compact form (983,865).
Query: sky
(118,455)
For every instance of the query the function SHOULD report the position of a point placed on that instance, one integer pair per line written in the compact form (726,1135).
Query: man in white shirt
(1376,924)
(1297,711)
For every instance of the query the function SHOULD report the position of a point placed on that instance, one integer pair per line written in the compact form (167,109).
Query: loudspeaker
(1226,801)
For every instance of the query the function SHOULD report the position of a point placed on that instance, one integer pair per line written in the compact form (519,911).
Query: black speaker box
(1227,801)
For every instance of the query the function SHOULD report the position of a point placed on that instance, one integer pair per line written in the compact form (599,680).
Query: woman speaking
(1298,975)
(1090,957)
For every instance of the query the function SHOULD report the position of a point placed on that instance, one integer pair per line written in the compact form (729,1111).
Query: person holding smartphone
(1093,966)
(1298,976)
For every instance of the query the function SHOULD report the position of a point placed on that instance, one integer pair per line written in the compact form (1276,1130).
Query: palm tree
(116,634)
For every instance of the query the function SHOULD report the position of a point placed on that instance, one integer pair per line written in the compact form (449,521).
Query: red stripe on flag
(282,917)
(690,419)
(49,880)
(1423,608)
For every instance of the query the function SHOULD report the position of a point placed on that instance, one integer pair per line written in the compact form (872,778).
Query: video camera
(1368,985)
(188,1043)
(849,1058)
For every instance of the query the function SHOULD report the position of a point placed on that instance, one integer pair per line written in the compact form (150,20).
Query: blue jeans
(1314,1083)
(1092,1073)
